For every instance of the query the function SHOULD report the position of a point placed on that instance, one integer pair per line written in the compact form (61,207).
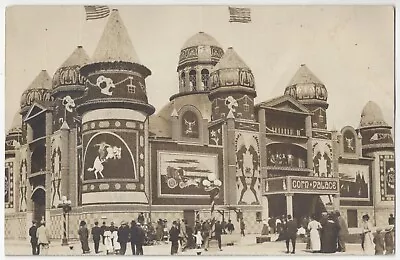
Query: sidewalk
(246,246)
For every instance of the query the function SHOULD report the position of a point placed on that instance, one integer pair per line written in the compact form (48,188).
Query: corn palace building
(90,134)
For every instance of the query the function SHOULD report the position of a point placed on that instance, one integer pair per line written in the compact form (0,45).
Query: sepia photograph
(212,130)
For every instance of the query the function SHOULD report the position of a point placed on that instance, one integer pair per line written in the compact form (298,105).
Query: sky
(349,48)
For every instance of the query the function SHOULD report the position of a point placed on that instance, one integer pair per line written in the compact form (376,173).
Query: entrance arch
(39,203)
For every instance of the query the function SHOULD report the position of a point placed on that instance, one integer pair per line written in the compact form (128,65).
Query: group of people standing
(114,239)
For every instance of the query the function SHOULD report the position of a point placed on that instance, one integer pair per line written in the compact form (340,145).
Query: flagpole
(80,27)
(45,49)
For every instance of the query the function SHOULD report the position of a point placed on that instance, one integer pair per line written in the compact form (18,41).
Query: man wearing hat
(343,232)
(34,239)
(96,234)
(174,238)
(123,237)
(140,239)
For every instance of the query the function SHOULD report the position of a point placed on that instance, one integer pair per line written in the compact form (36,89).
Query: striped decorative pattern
(239,15)
(94,12)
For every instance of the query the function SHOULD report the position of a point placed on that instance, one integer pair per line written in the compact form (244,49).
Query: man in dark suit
(291,233)
(174,238)
(140,239)
(123,236)
(96,234)
(103,228)
(343,232)
(218,232)
(34,239)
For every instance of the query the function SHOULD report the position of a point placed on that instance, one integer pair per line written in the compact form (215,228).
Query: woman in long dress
(367,241)
(107,241)
(315,241)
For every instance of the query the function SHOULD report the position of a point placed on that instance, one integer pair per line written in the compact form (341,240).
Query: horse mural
(105,152)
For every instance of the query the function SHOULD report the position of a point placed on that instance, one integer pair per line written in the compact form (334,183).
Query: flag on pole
(94,12)
(239,15)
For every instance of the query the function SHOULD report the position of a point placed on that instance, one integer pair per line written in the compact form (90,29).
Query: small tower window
(192,80)
(183,81)
(205,76)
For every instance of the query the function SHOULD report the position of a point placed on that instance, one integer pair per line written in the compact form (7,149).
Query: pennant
(239,15)
(94,12)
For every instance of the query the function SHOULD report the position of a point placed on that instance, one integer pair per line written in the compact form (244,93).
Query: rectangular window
(352,219)
(131,89)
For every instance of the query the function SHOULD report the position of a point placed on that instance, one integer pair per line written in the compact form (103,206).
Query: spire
(115,44)
(78,57)
(303,76)
(231,60)
(64,126)
(42,81)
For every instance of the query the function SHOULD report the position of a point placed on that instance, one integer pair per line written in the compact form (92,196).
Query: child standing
(379,242)
(199,242)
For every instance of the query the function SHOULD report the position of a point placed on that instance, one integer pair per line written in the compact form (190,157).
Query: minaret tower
(377,143)
(114,113)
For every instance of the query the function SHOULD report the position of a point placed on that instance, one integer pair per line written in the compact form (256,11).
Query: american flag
(94,12)
(239,15)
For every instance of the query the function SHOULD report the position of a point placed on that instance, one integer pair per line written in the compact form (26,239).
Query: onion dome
(232,72)
(232,89)
(307,88)
(372,116)
(38,91)
(375,132)
(115,77)
(67,79)
(200,48)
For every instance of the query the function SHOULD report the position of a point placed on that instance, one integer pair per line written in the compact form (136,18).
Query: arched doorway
(39,203)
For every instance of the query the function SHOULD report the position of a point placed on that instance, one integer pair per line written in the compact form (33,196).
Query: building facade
(90,134)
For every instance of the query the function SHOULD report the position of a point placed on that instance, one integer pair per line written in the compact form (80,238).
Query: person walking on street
(34,238)
(199,242)
(140,239)
(107,241)
(83,233)
(43,237)
(242,227)
(183,235)
(315,241)
(389,241)
(103,229)
(174,238)
(123,237)
(134,236)
(343,232)
(230,227)
(291,234)
(367,241)
(379,242)
(218,232)
(96,234)
(206,230)
(113,229)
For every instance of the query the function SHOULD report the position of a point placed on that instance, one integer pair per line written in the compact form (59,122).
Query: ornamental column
(65,160)
(49,132)
(230,176)
(309,144)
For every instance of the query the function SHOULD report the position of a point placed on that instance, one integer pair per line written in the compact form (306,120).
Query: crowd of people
(328,233)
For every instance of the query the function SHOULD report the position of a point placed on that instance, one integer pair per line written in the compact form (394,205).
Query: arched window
(192,80)
(205,75)
(190,125)
(183,81)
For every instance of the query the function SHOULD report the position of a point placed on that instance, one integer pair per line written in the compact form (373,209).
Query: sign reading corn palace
(299,184)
